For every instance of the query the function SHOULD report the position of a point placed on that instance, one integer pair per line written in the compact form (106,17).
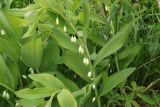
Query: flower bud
(17,104)
(106,8)
(24,76)
(91,79)
(73,39)
(3,33)
(81,50)
(65,29)
(89,74)
(85,61)
(93,99)
(57,21)
(4,94)
(93,86)
(31,70)
(7,95)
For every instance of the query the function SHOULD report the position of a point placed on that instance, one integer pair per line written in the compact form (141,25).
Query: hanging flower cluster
(5,94)
(73,39)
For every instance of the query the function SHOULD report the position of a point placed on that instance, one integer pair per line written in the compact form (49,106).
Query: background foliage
(79,53)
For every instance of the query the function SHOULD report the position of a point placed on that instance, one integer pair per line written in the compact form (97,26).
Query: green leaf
(42,3)
(134,103)
(11,48)
(7,26)
(6,76)
(8,3)
(64,40)
(114,80)
(20,12)
(31,102)
(79,68)
(86,14)
(36,93)
(127,56)
(75,5)
(51,54)
(95,17)
(147,98)
(47,80)
(14,69)
(83,95)
(71,86)
(128,104)
(66,99)
(32,53)
(49,102)
(114,44)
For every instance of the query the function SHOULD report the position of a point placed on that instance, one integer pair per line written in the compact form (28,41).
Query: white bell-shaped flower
(106,8)
(7,96)
(93,86)
(73,39)
(93,99)
(31,70)
(89,74)
(65,29)
(81,50)
(3,33)
(57,21)
(4,94)
(24,76)
(17,104)
(85,61)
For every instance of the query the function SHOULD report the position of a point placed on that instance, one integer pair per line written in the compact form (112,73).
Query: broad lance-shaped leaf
(20,12)
(127,56)
(49,102)
(146,98)
(86,15)
(114,80)
(6,25)
(128,104)
(71,86)
(14,69)
(96,17)
(64,40)
(75,62)
(75,5)
(36,93)
(114,44)
(30,102)
(11,48)
(51,53)
(32,53)
(6,76)
(66,99)
(47,80)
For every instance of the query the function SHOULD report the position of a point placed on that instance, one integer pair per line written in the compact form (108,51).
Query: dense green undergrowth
(79,53)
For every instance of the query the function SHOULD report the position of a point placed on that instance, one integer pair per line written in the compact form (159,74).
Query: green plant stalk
(92,69)
(94,76)
(116,61)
